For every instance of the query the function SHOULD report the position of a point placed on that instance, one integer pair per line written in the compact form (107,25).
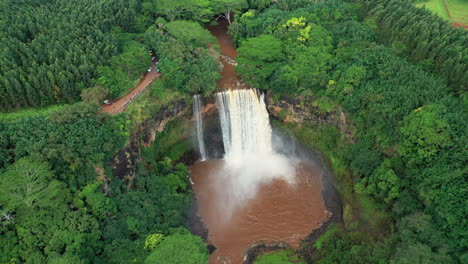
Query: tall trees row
(51,49)
(427,39)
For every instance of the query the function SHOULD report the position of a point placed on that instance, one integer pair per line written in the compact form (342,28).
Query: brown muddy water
(279,212)
(228,54)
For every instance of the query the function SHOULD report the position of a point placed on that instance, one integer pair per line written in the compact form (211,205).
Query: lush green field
(436,6)
(458,9)
(31,112)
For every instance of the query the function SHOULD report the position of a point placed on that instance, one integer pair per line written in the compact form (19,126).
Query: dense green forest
(398,72)
(410,124)
(53,49)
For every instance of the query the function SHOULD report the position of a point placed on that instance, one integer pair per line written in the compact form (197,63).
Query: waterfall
(198,117)
(244,123)
(250,159)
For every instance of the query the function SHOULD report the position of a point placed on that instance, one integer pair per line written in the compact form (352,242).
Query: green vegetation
(88,44)
(172,142)
(279,257)
(124,69)
(60,202)
(398,72)
(186,63)
(190,248)
(47,58)
(436,6)
(32,112)
(458,11)
(439,48)
(406,160)
(457,8)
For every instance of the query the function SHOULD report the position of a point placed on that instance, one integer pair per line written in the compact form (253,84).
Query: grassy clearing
(32,112)
(436,6)
(458,9)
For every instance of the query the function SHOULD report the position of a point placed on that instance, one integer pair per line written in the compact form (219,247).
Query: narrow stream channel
(228,73)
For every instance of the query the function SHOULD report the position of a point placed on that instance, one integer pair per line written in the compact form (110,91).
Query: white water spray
(247,136)
(198,116)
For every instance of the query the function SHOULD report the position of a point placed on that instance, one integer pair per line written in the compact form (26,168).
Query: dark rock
(257,249)
(211,248)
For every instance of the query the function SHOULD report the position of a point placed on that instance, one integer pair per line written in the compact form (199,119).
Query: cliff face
(290,110)
(124,162)
(159,121)
(302,110)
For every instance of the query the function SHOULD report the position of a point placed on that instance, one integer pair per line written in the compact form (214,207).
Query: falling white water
(198,116)
(247,136)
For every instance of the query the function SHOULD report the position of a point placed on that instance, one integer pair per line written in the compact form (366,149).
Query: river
(228,73)
(278,212)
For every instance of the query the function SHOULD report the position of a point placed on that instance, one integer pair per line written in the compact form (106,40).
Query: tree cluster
(51,49)
(425,38)
(59,202)
(410,155)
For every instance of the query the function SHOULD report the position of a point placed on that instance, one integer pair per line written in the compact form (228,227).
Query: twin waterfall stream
(198,116)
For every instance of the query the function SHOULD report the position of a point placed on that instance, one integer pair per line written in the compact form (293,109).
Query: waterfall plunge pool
(254,194)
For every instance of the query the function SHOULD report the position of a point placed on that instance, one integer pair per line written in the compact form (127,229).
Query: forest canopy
(398,74)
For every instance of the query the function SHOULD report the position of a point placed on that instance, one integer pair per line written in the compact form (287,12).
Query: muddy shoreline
(329,195)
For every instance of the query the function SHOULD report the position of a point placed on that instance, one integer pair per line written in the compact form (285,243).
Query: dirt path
(119,105)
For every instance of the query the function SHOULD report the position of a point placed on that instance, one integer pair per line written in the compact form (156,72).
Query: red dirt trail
(119,105)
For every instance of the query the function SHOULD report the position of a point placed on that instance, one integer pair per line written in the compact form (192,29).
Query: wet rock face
(295,110)
(159,121)
(214,137)
(124,162)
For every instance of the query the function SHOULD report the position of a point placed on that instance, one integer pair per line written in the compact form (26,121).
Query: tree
(94,94)
(423,134)
(198,10)
(258,58)
(153,240)
(259,4)
(382,183)
(190,32)
(419,253)
(100,206)
(27,185)
(227,7)
(179,248)
(307,71)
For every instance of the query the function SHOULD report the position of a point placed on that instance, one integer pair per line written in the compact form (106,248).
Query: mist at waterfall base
(262,190)
(250,158)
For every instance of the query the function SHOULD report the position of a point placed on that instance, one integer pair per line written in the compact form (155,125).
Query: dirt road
(120,104)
